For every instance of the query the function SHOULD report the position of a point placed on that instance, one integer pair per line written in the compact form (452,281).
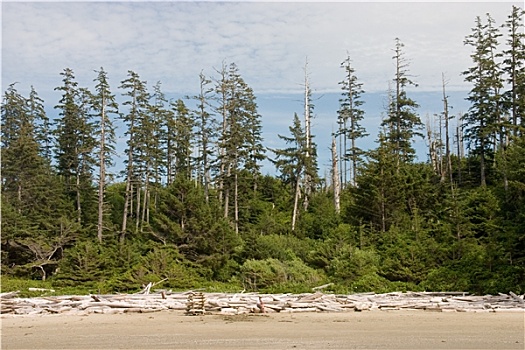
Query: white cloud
(174,41)
(171,42)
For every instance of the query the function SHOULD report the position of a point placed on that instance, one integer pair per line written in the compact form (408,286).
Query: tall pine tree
(137,103)
(75,143)
(514,67)
(349,117)
(402,122)
(481,123)
(104,105)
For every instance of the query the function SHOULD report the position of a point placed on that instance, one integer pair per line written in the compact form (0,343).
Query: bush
(272,274)
(280,247)
(12,284)
(353,263)
(371,283)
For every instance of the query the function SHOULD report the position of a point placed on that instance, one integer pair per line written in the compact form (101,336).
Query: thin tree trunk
(335,178)
(102,173)
(19,195)
(79,207)
(227,195)
(296,200)
(224,127)
(307,176)
(398,108)
(145,203)
(345,151)
(128,201)
(482,157)
(125,212)
(432,147)
(236,202)
(447,137)
(459,141)
(137,210)
(341,153)
(382,204)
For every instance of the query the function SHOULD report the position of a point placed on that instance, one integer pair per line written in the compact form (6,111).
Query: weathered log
(322,287)
(31,289)
(9,295)
(247,303)
(517,298)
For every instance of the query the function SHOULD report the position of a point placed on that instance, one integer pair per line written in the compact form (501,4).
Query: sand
(349,330)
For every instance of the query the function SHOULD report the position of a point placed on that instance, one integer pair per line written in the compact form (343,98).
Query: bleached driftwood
(241,303)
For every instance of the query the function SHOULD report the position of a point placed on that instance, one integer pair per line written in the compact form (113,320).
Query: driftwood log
(242,303)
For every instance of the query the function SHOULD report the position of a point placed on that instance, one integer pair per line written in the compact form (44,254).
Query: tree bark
(335,178)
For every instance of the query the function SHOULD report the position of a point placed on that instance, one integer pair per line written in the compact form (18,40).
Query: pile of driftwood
(242,303)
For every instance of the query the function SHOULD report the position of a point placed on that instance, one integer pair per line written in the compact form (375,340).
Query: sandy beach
(348,330)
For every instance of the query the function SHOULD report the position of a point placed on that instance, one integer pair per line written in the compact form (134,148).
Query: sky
(173,41)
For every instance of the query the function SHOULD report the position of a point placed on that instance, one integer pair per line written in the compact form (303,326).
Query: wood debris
(194,303)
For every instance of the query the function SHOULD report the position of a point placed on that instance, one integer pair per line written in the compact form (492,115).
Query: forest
(191,207)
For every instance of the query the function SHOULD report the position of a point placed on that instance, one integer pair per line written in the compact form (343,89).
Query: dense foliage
(192,207)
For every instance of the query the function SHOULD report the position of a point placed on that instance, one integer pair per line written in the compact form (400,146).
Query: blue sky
(171,42)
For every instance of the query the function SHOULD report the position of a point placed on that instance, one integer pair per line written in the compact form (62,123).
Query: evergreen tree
(482,121)
(21,157)
(104,105)
(182,132)
(377,195)
(240,141)
(155,120)
(402,122)
(170,144)
(42,124)
(35,226)
(291,163)
(221,90)
(75,143)
(138,104)
(349,118)
(514,67)
(205,132)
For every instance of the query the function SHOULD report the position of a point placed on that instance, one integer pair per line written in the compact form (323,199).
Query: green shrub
(13,284)
(273,246)
(371,283)
(353,263)
(272,274)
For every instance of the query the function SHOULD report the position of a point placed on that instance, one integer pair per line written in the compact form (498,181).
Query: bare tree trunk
(335,178)
(102,172)
(341,152)
(307,176)
(442,168)
(236,201)
(128,201)
(145,203)
(431,148)
(137,210)
(296,200)
(459,142)
(224,128)
(447,137)
(227,195)
(19,194)
(482,158)
(344,154)
(149,201)
(79,207)
(125,211)
(383,205)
